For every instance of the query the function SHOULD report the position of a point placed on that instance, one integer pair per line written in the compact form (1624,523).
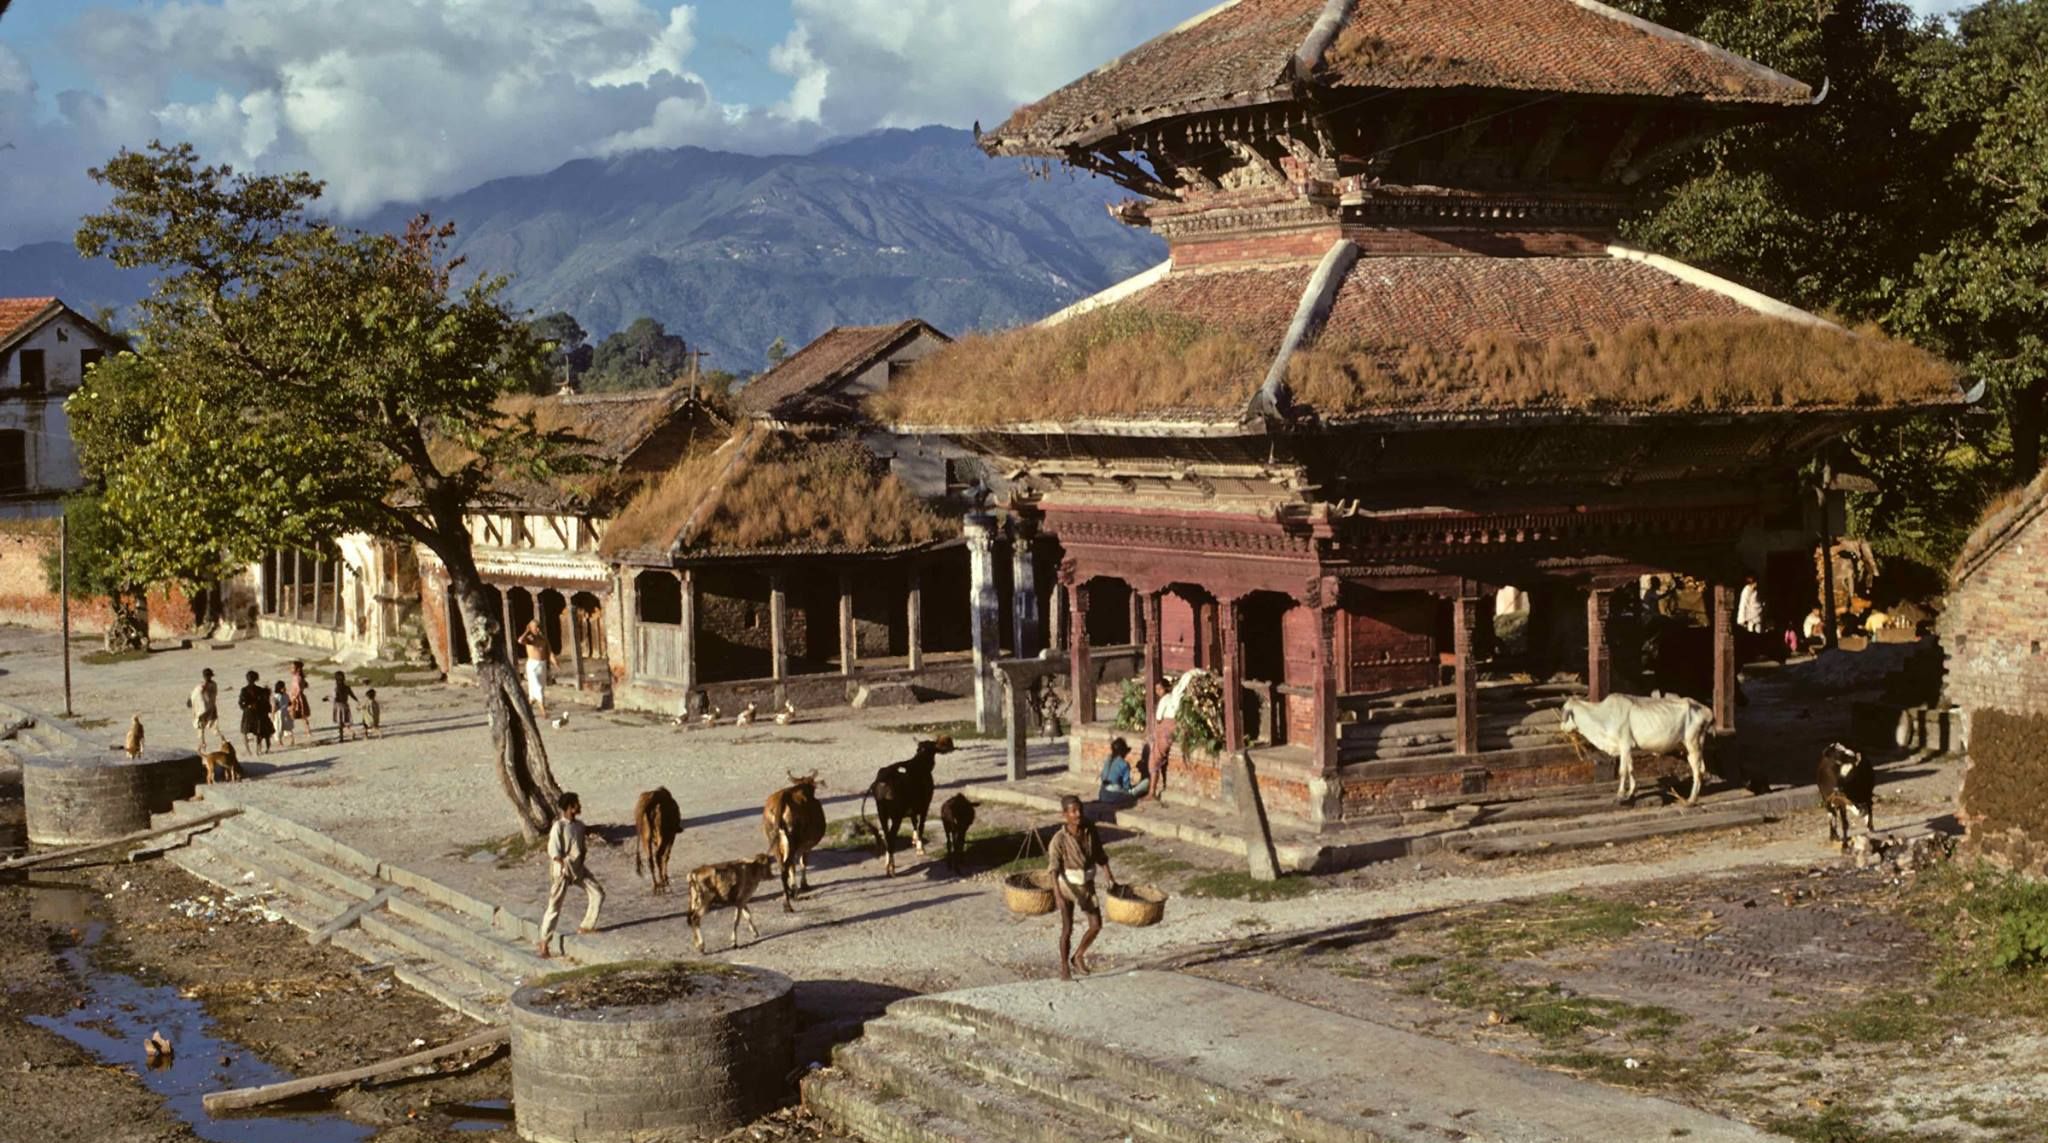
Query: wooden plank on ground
(241,1099)
(1553,841)
(350,916)
(35,859)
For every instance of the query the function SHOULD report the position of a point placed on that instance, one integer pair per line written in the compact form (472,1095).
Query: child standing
(373,714)
(341,699)
(281,708)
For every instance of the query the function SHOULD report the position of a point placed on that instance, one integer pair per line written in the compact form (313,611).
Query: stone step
(1144,1114)
(995,1109)
(1617,833)
(847,1105)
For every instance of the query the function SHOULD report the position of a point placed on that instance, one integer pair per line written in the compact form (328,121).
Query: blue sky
(403,100)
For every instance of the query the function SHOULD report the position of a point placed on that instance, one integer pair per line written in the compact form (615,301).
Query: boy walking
(205,703)
(1072,857)
(567,842)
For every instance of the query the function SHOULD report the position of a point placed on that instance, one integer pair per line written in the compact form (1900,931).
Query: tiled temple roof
(1254,52)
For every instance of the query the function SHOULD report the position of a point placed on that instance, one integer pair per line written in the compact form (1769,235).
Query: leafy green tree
(293,382)
(1981,294)
(570,353)
(644,355)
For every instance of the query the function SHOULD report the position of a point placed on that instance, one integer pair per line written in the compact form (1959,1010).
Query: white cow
(1621,725)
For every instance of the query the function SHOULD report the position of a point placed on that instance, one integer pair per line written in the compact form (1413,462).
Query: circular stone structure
(649,1050)
(82,798)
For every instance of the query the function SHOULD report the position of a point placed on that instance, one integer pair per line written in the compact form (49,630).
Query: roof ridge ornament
(1321,35)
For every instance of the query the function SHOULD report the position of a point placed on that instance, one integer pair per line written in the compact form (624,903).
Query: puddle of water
(119,1014)
(483,1115)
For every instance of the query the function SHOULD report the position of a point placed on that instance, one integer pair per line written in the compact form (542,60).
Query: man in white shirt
(1749,607)
(567,841)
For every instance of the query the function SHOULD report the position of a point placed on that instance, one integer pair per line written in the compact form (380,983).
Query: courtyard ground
(1608,977)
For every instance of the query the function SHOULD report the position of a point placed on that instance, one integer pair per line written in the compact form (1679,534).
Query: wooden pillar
(1056,618)
(298,579)
(505,608)
(778,638)
(319,582)
(1080,672)
(1137,618)
(1724,656)
(689,664)
(1464,621)
(914,620)
(1151,655)
(575,638)
(985,612)
(849,638)
(276,600)
(1208,637)
(1323,700)
(1233,675)
(1599,650)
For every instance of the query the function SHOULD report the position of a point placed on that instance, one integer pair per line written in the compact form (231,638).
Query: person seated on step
(1119,783)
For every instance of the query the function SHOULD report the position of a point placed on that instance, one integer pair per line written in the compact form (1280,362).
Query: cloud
(859,64)
(391,100)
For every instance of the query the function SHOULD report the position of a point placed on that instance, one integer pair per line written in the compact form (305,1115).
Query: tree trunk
(127,628)
(2029,417)
(522,759)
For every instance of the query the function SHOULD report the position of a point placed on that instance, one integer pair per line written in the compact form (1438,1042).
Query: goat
(956,817)
(656,822)
(902,791)
(745,717)
(787,714)
(1623,724)
(727,883)
(1846,782)
(794,821)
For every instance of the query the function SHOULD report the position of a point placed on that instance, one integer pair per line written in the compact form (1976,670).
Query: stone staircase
(931,1072)
(1424,724)
(464,952)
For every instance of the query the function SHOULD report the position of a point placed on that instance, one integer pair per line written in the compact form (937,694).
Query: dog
(222,762)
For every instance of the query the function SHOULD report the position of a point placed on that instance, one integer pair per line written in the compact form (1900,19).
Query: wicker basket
(1028,894)
(1137,905)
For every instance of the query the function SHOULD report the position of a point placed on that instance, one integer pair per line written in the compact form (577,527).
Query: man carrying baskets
(1072,857)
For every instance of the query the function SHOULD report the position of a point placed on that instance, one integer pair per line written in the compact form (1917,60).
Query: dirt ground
(1810,1002)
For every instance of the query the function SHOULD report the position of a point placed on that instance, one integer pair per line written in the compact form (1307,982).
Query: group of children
(275,713)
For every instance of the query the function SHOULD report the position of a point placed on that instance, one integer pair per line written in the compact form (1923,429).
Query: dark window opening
(660,595)
(33,379)
(87,358)
(13,460)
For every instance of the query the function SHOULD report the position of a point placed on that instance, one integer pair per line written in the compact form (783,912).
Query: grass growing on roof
(1690,366)
(1121,361)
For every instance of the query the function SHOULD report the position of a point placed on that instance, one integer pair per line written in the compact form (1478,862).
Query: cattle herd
(793,822)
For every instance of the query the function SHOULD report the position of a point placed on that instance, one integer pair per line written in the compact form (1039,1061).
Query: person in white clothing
(540,655)
(1749,607)
(567,843)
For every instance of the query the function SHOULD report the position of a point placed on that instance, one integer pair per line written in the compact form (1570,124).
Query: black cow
(904,791)
(1846,783)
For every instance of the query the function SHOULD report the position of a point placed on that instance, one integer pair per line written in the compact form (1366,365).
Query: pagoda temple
(1398,361)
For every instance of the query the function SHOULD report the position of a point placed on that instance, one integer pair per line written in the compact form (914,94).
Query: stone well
(81,798)
(669,1050)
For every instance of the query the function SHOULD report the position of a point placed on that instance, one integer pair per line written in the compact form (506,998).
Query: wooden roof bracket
(1273,401)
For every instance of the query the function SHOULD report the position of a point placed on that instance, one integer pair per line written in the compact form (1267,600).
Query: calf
(956,817)
(904,791)
(656,822)
(224,762)
(727,883)
(1846,783)
(794,821)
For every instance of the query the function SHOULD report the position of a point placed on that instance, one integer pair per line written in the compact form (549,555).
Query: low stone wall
(79,799)
(808,692)
(2004,800)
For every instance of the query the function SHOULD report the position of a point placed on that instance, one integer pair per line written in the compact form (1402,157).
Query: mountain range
(734,251)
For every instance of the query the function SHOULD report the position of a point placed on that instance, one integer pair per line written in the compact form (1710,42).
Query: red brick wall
(1995,631)
(1289,246)
(26,599)
(1177,639)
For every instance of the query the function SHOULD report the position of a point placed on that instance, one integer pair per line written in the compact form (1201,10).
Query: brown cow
(794,821)
(656,822)
(727,883)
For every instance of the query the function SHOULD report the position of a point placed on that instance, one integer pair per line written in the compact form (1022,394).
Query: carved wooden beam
(1548,144)
(1625,147)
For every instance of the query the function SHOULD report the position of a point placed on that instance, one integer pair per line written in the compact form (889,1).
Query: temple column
(689,633)
(778,638)
(849,637)
(1024,588)
(1233,675)
(1599,651)
(1056,618)
(1137,619)
(913,620)
(1208,637)
(298,579)
(1724,656)
(1323,700)
(986,617)
(1151,655)
(1464,622)
(575,638)
(319,582)
(1081,672)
